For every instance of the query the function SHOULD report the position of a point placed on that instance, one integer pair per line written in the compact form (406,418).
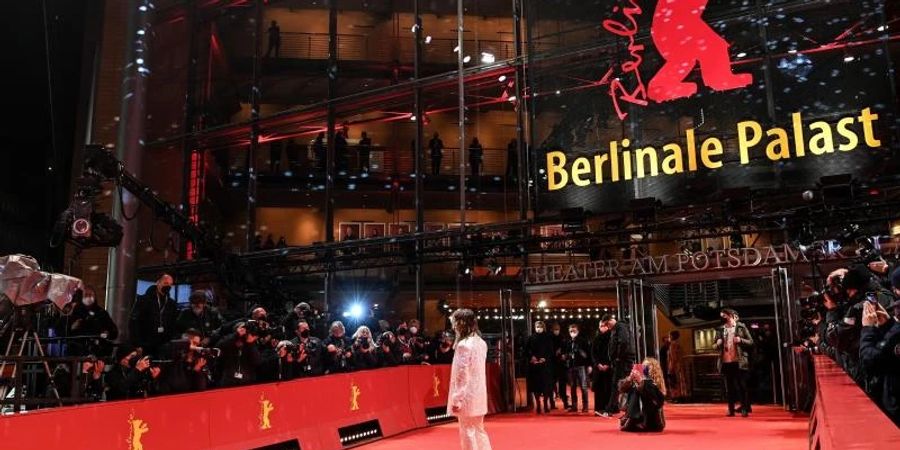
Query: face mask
(304,334)
(539,329)
(88,301)
(573,334)
(165,290)
(413,330)
(556,332)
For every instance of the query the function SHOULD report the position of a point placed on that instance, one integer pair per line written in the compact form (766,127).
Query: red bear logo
(684,39)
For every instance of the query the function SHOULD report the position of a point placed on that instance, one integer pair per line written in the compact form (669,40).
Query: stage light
(849,58)
(502,78)
(355,311)
(428,39)
(464,269)
(792,51)
(741,54)
(487,58)
(467,59)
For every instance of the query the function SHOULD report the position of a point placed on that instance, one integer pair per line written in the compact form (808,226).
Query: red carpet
(689,427)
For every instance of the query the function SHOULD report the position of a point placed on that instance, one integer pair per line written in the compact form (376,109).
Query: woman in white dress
(468,387)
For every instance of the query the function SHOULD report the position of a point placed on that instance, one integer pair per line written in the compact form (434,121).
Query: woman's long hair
(656,374)
(464,324)
(364,331)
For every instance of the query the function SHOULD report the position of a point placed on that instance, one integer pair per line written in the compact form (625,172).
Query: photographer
(93,323)
(91,379)
(846,295)
(388,351)
(188,370)
(879,350)
(302,311)
(339,349)
(419,342)
(308,360)
(364,356)
(132,376)
(444,352)
(240,357)
(199,317)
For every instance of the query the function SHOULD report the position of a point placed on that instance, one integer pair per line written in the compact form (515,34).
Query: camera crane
(86,228)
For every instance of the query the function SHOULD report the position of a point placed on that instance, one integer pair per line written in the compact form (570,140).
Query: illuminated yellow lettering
(580,167)
(692,149)
(843,129)
(711,147)
(673,163)
(648,153)
(799,140)
(599,162)
(781,143)
(556,162)
(745,141)
(821,142)
(867,119)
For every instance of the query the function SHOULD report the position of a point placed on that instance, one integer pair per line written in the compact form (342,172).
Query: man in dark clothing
(733,341)
(559,366)
(577,355)
(188,370)
(93,322)
(444,352)
(320,151)
(240,357)
(388,350)
(153,317)
(436,147)
(602,370)
(879,350)
(199,317)
(365,152)
(339,349)
(309,353)
(132,376)
(301,311)
(274,39)
(622,356)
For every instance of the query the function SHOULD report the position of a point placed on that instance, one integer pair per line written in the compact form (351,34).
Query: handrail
(843,417)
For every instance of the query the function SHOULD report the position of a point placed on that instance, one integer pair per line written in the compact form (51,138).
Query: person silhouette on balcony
(320,151)
(436,145)
(476,157)
(512,160)
(365,152)
(274,39)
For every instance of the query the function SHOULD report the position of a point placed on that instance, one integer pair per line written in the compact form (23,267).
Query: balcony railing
(358,47)
(382,160)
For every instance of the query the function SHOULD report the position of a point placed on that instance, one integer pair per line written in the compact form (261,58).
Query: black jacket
(879,360)
(621,346)
(577,352)
(309,362)
(238,357)
(153,321)
(206,323)
(91,322)
(600,349)
(336,361)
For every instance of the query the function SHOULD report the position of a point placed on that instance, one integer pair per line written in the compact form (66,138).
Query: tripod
(21,329)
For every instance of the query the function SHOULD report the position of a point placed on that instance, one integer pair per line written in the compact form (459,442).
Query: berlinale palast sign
(685,41)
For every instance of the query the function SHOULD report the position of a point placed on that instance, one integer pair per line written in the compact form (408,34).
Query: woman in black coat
(539,351)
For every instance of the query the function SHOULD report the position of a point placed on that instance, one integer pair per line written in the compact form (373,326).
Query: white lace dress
(468,386)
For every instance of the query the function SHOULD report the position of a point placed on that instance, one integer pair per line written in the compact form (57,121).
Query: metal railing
(359,47)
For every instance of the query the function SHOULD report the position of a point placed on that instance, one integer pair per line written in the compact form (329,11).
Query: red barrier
(310,410)
(843,417)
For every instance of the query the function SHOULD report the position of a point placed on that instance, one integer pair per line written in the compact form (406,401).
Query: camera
(258,328)
(207,353)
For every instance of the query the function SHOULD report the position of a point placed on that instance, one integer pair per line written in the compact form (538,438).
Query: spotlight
(464,269)
(502,78)
(487,58)
(355,311)
(849,58)
(467,59)
(542,304)
(741,54)
(428,39)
